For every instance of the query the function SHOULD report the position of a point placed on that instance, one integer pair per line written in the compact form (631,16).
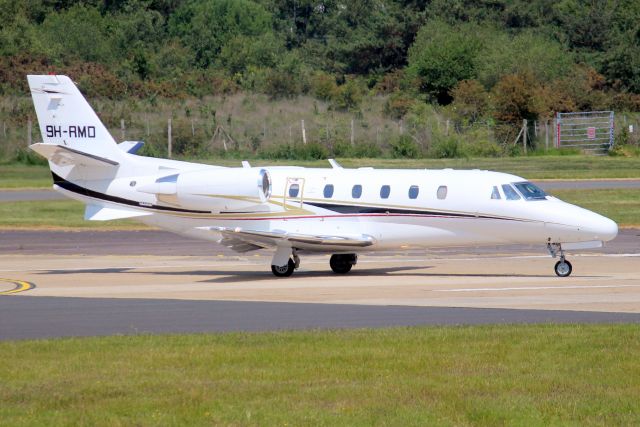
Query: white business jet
(295,210)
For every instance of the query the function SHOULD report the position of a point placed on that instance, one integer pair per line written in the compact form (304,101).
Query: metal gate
(590,131)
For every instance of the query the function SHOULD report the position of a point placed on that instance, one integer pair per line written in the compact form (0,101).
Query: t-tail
(75,141)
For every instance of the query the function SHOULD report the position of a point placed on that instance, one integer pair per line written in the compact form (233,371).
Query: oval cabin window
(413,191)
(442,192)
(294,190)
(328,191)
(356,191)
(385,190)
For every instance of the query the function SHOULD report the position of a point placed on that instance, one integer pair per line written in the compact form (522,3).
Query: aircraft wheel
(341,264)
(285,270)
(563,268)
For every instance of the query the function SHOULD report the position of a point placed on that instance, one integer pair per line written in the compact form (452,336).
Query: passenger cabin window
(385,190)
(495,194)
(294,189)
(413,191)
(530,191)
(442,192)
(356,191)
(509,192)
(328,191)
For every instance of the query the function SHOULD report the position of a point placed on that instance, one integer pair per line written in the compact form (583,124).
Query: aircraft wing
(243,240)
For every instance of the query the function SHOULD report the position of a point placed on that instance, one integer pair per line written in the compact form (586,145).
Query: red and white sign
(591,132)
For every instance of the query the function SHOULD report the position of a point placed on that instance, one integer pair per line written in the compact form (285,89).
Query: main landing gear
(286,260)
(342,263)
(563,267)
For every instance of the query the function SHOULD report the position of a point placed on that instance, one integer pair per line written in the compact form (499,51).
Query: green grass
(55,214)
(621,205)
(21,176)
(535,167)
(489,375)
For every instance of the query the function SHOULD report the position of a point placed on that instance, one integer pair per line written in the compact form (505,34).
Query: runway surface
(547,185)
(100,283)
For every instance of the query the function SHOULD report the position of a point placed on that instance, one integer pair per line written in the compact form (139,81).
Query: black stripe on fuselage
(355,209)
(75,188)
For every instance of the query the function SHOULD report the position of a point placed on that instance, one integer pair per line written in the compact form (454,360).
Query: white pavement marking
(534,288)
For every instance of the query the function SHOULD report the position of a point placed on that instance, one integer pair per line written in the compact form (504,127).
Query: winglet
(334,164)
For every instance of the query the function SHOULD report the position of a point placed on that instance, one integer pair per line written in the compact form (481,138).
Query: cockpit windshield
(530,191)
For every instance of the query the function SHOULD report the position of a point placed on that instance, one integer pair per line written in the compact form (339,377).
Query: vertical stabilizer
(66,118)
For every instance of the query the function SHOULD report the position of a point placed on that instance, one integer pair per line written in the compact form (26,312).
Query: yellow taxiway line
(20,286)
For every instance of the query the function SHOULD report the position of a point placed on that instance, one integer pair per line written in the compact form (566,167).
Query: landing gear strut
(563,267)
(342,263)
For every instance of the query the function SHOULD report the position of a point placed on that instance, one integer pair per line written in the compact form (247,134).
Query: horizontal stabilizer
(66,156)
(271,238)
(131,147)
(102,213)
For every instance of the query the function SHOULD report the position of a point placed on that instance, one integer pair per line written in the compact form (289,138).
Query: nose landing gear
(563,268)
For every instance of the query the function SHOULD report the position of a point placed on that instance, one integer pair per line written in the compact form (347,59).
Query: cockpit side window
(495,194)
(509,192)
(530,191)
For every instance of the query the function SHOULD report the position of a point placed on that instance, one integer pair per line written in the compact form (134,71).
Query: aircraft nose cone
(606,229)
(600,227)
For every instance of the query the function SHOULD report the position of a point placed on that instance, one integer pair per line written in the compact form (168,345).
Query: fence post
(524,135)
(169,138)
(29,141)
(4,129)
(352,135)
(446,132)
(304,132)
(122,129)
(546,135)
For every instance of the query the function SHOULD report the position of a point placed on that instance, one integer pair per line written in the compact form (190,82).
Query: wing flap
(264,239)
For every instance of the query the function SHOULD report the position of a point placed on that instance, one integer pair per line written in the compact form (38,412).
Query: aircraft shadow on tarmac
(220,276)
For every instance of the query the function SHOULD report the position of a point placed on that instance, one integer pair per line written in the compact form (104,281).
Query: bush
(29,157)
(405,147)
(397,105)
(310,151)
(447,148)
(367,150)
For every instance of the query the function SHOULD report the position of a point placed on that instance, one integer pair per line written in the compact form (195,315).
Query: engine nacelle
(216,190)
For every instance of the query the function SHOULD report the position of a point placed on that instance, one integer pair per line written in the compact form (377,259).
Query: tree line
(502,60)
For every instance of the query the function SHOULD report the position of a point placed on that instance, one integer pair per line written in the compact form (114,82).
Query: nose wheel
(563,268)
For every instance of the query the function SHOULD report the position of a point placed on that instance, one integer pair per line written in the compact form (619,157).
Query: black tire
(284,271)
(563,268)
(341,264)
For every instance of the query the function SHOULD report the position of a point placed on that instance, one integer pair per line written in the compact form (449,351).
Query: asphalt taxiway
(97,283)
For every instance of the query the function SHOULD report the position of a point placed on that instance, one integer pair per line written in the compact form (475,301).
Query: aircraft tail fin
(67,120)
